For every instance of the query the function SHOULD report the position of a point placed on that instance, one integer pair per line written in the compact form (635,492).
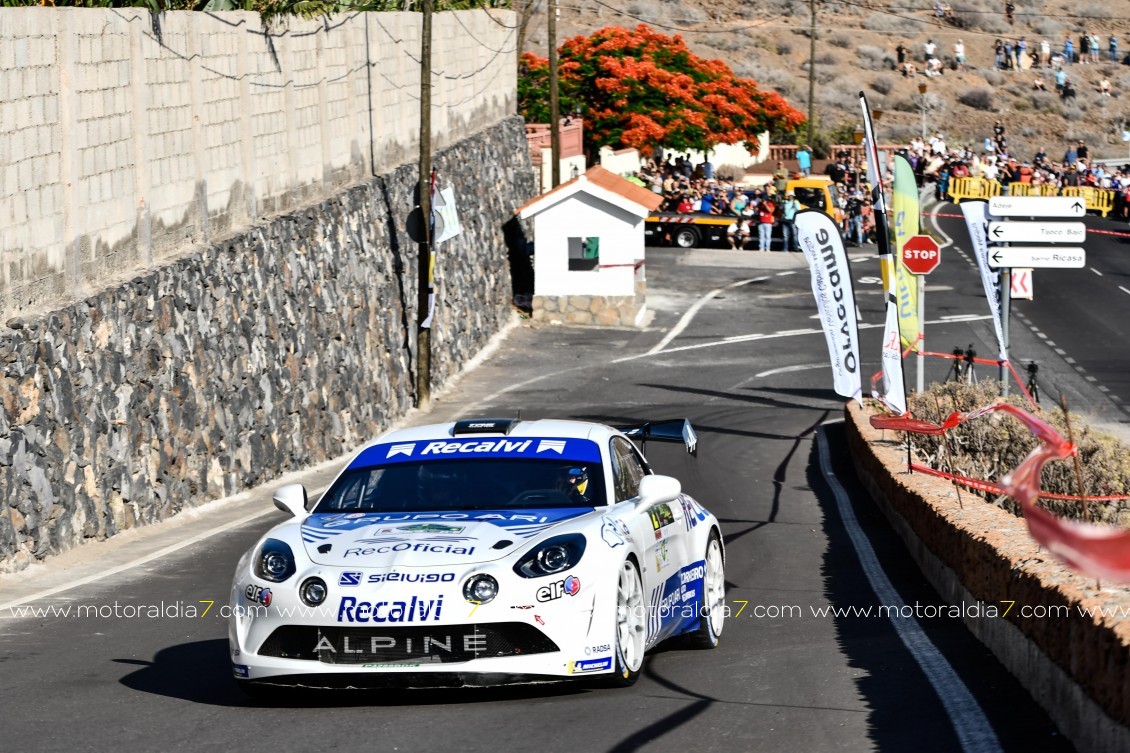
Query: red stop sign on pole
(921,254)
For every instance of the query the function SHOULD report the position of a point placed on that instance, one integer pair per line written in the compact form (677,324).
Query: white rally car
(477,553)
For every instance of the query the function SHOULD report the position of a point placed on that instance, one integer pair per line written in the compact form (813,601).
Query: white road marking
(789,369)
(1100,274)
(1070,360)
(787,273)
(1124,290)
(687,317)
(1091,378)
(974,732)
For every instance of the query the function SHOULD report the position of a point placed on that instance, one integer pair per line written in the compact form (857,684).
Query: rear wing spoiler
(676,430)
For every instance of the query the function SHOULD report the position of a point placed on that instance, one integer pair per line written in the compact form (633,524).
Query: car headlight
(480,589)
(275,561)
(313,592)
(553,555)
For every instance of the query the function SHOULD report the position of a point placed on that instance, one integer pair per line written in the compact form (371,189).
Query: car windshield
(810,197)
(467,484)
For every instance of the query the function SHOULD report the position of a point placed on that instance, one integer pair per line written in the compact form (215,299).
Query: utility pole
(811,71)
(424,255)
(554,105)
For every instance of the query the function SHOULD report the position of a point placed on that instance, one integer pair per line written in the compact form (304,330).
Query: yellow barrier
(973,188)
(1023,189)
(1099,200)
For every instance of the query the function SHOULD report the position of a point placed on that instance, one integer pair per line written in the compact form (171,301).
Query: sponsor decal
(400,449)
(581,450)
(389,666)
(662,556)
(661,516)
(603,648)
(539,619)
(258,594)
(407,547)
(423,528)
(568,587)
(395,576)
(426,645)
(590,665)
(693,514)
(415,610)
(614,532)
(676,602)
(349,579)
(522,606)
(525,524)
(241,671)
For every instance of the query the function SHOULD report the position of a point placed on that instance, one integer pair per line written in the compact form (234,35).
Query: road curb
(973,552)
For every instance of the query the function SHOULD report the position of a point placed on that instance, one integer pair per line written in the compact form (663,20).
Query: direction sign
(1043,257)
(1037,232)
(1020,283)
(1037,206)
(920,254)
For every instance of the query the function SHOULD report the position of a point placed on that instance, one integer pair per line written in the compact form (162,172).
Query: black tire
(686,237)
(628,659)
(713,597)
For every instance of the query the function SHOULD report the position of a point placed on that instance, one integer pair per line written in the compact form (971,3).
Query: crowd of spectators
(762,211)
(935,161)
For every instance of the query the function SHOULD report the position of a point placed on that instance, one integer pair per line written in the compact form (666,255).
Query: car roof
(546,427)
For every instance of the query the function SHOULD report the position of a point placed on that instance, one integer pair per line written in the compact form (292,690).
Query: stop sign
(920,254)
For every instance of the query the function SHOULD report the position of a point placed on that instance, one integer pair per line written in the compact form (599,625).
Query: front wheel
(630,625)
(713,597)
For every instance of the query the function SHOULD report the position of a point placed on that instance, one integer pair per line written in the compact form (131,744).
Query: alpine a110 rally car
(476,553)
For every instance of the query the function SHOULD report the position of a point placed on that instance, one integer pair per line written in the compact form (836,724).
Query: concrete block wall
(128,138)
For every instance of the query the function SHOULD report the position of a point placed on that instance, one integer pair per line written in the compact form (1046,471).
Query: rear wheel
(630,625)
(686,237)
(713,597)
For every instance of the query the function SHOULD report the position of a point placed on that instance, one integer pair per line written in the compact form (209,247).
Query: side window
(627,469)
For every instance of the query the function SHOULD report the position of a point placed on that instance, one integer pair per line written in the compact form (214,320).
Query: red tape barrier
(1099,551)
(989,486)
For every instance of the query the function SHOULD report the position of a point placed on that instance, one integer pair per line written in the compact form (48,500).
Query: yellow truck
(697,229)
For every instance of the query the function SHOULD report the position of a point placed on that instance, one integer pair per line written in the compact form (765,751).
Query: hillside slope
(768,41)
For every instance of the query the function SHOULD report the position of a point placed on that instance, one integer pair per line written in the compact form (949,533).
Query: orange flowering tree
(637,88)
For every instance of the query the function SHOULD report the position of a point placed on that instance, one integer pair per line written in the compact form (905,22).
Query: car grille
(405,645)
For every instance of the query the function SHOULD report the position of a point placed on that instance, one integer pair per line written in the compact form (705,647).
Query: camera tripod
(961,368)
(1032,387)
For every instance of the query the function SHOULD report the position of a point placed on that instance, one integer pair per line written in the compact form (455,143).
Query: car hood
(422,539)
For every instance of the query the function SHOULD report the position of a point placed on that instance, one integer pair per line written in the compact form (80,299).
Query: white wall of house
(621,245)
(624,162)
(567,165)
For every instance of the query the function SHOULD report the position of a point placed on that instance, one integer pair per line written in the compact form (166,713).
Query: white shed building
(589,250)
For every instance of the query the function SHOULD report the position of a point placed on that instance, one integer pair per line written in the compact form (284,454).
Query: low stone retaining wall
(1076,666)
(283,346)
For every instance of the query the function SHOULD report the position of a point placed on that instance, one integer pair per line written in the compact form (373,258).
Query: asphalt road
(783,678)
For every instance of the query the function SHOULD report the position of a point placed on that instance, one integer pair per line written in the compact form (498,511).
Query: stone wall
(280,347)
(126,136)
(1074,664)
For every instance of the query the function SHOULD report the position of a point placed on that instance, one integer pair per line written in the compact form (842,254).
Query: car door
(664,541)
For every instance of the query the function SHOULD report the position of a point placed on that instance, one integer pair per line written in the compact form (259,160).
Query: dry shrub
(784,48)
(887,22)
(988,447)
(883,84)
(874,58)
(840,40)
(827,58)
(980,98)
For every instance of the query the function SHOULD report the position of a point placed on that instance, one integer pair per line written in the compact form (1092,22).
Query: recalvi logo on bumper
(415,610)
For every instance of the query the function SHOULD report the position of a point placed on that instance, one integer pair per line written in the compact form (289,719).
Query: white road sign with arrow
(1043,257)
(1037,232)
(1037,206)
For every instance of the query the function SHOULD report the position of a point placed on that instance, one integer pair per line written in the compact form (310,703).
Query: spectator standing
(804,159)
(900,52)
(1060,80)
(1009,12)
(766,218)
(1081,151)
(707,169)
(1071,156)
(998,50)
(788,221)
(1094,39)
(780,179)
(1068,50)
(1019,50)
(931,50)
(855,218)
(1113,47)
(1084,48)
(1045,53)
(959,55)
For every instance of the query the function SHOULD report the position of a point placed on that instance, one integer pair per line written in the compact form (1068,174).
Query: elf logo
(568,587)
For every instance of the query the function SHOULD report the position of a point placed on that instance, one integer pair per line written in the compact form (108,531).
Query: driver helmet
(578,479)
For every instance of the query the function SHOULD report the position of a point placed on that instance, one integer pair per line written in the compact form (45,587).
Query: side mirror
(292,499)
(657,489)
